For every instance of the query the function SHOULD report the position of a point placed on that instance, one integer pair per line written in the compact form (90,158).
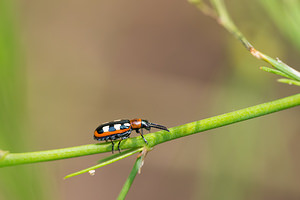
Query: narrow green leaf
(106,161)
(137,165)
(275,71)
(121,155)
(289,81)
(279,65)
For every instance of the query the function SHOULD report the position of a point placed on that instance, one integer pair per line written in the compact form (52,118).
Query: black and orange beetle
(121,129)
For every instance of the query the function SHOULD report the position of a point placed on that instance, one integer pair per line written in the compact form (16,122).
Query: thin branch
(9,159)
(224,19)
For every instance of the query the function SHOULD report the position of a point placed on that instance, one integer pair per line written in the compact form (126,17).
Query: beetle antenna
(158,126)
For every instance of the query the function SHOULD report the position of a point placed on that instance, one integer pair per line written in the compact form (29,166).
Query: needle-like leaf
(106,161)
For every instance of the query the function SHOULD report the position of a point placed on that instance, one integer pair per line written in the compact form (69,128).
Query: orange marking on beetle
(110,132)
(136,123)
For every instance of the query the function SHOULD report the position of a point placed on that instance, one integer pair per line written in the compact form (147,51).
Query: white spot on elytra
(127,124)
(117,126)
(105,128)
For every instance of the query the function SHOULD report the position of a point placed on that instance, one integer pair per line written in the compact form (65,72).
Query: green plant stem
(221,15)
(153,139)
(130,178)
(225,20)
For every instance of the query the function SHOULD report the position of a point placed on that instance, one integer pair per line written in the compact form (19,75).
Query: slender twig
(9,159)
(224,19)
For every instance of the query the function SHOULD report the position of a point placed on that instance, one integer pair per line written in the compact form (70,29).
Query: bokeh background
(67,66)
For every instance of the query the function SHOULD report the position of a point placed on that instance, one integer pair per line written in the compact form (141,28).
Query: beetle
(122,128)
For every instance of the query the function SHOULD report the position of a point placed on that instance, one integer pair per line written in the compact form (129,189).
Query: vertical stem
(130,178)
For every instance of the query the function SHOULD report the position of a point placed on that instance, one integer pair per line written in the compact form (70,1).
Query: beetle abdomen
(113,130)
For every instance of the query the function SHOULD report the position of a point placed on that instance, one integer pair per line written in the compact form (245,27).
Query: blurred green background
(66,66)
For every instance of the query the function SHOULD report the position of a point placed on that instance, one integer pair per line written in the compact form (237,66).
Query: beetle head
(148,125)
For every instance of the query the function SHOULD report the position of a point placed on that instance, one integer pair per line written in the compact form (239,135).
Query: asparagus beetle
(121,129)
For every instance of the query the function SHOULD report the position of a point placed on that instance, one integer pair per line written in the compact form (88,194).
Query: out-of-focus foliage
(238,165)
(285,14)
(17,183)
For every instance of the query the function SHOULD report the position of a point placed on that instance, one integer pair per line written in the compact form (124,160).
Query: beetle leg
(112,148)
(119,146)
(143,136)
(137,130)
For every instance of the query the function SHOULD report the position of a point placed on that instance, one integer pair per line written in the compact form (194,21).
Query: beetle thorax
(136,123)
